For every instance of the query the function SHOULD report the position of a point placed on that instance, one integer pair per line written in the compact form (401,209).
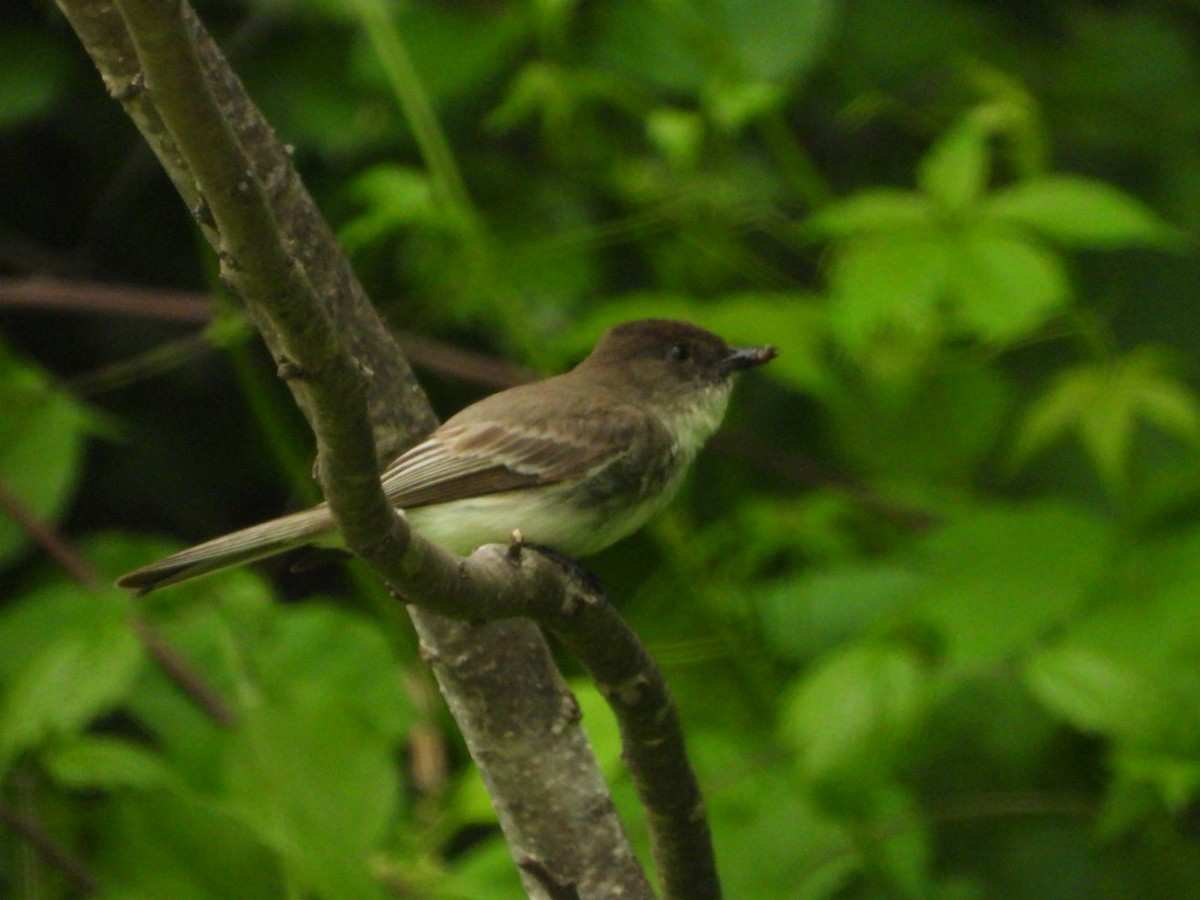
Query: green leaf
(889,282)
(175,844)
(819,609)
(312,765)
(319,785)
(484,871)
(1129,670)
(357,667)
(41,446)
(1171,406)
(848,716)
(601,727)
(1006,286)
(776,841)
(1093,690)
(677,134)
(1054,414)
(999,580)
(676,46)
(938,427)
(1079,212)
(1103,403)
(482,40)
(1174,778)
(955,171)
(393,197)
(649,43)
(89,762)
(70,657)
(777,40)
(903,854)
(734,106)
(879,209)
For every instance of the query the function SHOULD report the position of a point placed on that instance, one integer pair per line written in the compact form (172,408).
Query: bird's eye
(680,353)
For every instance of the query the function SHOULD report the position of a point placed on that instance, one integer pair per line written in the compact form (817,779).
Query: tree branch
(519,720)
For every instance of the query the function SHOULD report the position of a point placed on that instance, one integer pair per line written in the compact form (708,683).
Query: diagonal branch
(498,678)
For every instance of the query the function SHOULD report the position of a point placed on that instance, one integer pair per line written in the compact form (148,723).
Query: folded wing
(476,458)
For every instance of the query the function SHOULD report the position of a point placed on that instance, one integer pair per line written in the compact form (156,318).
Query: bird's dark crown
(660,339)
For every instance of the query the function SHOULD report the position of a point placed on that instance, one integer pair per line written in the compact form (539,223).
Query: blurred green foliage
(930,606)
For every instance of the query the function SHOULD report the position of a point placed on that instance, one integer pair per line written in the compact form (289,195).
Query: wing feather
(481,455)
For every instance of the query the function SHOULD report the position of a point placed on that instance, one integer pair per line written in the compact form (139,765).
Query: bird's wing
(486,455)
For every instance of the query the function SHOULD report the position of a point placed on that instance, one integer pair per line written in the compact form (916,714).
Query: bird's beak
(746,358)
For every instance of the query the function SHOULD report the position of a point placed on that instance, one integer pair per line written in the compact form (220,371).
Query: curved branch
(498,678)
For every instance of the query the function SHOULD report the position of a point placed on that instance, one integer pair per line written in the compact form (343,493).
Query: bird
(573,462)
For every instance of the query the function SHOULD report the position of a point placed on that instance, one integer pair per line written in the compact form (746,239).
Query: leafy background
(931,602)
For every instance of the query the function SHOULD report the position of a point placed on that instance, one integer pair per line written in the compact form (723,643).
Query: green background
(930,603)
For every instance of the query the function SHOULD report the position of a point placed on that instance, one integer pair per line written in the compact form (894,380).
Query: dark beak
(746,358)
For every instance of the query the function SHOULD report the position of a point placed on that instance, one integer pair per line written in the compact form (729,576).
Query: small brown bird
(574,462)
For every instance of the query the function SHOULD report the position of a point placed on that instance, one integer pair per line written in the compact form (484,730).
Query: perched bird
(574,462)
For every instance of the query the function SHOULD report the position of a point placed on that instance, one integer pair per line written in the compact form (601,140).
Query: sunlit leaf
(955,171)
(1006,286)
(847,716)
(106,763)
(879,209)
(733,106)
(392,197)
(73,657)
(889,281)
(41,445)
(1078,212)
(677,134)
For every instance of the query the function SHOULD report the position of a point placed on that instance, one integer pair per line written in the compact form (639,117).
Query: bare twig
(43,292)
(196,307)
(47,538)
(48,849)
(174,665)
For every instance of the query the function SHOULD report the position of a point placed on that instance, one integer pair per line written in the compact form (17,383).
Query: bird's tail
(256,542)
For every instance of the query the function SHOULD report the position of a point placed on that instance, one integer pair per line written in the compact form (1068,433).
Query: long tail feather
(256,542)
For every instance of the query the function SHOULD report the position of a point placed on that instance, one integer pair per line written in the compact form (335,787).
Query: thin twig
(174,665)
(48,539)
(164,304)
(37,838)
(196,307)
